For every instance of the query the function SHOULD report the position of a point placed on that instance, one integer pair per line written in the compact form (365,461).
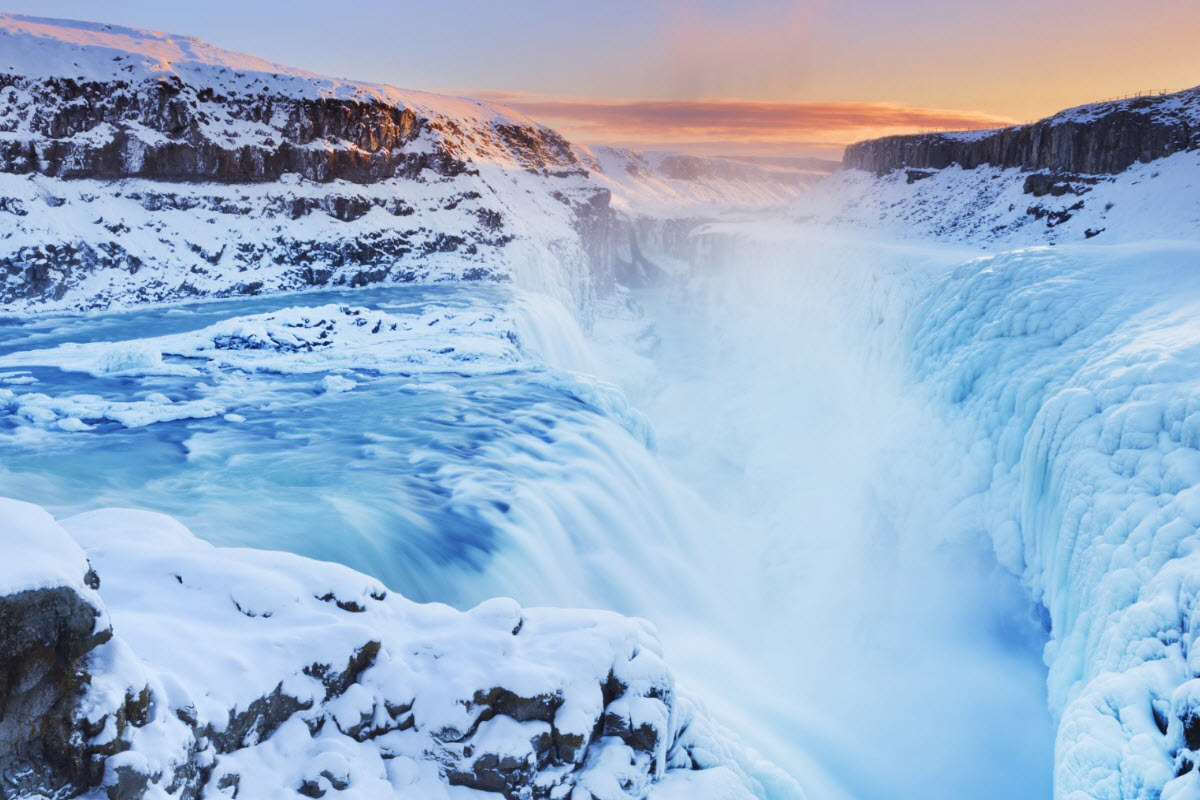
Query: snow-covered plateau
(321,401)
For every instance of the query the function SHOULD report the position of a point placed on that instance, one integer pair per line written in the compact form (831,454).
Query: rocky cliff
(1105,138)
(97,101)
(660,199)
(137,166)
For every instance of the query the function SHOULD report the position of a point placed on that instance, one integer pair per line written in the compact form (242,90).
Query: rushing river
(755,475)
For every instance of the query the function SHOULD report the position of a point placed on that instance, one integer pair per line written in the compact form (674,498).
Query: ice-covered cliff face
(1035,409)
(1076,369)
(137,166)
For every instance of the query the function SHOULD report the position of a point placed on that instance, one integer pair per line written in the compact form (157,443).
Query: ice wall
(1077,369)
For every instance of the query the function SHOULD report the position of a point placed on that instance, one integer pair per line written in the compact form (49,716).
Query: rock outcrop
(45,637)
(1104,138)
(137,104)
(139,167)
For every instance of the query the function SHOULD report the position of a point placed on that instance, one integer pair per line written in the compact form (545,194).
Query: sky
(796,77)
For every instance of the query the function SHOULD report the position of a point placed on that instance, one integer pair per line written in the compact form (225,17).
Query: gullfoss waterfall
(451,442)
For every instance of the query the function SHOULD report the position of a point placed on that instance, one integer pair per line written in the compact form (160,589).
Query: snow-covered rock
(1123,170)
(50,621)
(192,670)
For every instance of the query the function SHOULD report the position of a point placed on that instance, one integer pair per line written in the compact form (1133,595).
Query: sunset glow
(800,77)
(732,126)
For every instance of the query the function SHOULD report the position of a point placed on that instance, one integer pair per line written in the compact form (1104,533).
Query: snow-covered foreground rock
(148,663)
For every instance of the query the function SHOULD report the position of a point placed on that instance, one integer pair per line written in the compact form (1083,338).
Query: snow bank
(38,554)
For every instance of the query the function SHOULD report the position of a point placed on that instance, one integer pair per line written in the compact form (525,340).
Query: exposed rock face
(45,636)
(1106,138)
(166,129)
(142,241)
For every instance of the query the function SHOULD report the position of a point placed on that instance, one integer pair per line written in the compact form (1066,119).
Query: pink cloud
(744,125)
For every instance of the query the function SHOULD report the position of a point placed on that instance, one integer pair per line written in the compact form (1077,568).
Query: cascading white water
(881,635)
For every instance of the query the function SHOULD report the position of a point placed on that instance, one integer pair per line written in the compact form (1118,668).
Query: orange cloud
(733,126)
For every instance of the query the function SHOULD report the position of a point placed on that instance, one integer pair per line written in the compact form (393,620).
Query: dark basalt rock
(320,139)
(1191,728)
(1106,139)
(1040,184)
(493,773)
(45,636)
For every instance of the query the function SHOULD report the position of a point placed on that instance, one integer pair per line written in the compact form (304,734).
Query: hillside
(1118,171)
